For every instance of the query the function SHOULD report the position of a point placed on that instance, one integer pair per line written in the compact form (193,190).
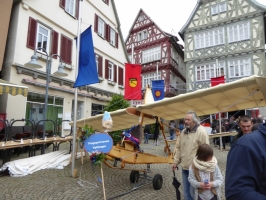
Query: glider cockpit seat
(133,137)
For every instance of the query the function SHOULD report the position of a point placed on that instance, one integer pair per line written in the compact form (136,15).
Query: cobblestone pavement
(55,184)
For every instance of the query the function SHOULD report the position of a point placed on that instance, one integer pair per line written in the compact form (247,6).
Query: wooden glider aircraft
(126,151)
(244,93)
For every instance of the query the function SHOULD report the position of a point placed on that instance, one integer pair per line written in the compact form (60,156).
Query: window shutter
(107,32)
(100,66)
(116,40)
(106,69)
(115,73)
(63,48)
(120,76)
(62,4)
(69,51)
(96,23)
(66,50)
(54,43)
(31,40)
(77,9)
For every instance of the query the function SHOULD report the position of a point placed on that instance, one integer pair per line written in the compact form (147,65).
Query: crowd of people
(242,125)
(246,162)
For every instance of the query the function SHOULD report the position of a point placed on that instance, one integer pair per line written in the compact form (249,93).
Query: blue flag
(158,90)
(87,73)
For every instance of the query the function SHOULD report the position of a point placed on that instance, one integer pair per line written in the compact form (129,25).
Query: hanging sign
(100,142)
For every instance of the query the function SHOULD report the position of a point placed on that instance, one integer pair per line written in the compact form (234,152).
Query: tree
(117,102)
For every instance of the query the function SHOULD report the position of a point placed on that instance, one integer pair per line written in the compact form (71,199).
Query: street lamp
(34,64)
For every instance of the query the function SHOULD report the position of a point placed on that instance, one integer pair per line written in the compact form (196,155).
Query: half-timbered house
(224,37)
(159,53)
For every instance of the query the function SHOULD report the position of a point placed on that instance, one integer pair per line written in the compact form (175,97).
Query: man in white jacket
(190,139)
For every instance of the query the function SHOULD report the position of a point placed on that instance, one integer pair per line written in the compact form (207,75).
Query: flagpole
(76,95)
(132,61)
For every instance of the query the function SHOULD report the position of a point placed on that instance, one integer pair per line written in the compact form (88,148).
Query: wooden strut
(166,142)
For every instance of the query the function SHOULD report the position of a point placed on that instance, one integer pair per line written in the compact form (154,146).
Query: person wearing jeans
(188,189)
(186,148)
(146,133)
(172,127)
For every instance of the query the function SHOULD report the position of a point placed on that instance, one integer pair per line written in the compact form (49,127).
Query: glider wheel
(134,176)
(157,181)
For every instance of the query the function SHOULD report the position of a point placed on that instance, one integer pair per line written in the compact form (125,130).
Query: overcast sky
(169,15)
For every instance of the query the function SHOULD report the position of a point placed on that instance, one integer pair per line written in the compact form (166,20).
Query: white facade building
(53,25)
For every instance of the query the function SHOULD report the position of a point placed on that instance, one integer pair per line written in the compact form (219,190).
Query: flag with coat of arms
(158,89)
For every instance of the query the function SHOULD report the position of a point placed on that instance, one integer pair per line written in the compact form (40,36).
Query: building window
(96,109)
(209,38)
(218,8)
(238,32)
(148,78)
(214,9)
(99,63)
(35,106)
(43,38)
(100,27)
(239,68)
(222,7)
(105,31)
(142,35)
(141,18)
(151,55)
(70,6)
(110,71)
(112,37)
(208,71)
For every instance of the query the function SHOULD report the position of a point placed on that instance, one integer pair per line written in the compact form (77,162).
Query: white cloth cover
(23,167)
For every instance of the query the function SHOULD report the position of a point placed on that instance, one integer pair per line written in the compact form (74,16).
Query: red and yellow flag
(132,82)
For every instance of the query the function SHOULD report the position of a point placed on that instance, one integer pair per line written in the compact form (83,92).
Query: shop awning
(241,94)
(122,119)
(13,89)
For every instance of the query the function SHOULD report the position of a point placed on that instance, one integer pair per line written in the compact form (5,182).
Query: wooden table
(223,134)
(56,141)
(12,144)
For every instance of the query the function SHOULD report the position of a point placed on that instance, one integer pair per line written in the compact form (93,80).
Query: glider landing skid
(157,181)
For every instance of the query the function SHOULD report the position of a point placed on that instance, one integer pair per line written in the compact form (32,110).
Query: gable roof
(141,10)
(174,39)
(181,32)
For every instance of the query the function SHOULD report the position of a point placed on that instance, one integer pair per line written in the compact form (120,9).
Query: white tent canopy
(244,93)
(122,119)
